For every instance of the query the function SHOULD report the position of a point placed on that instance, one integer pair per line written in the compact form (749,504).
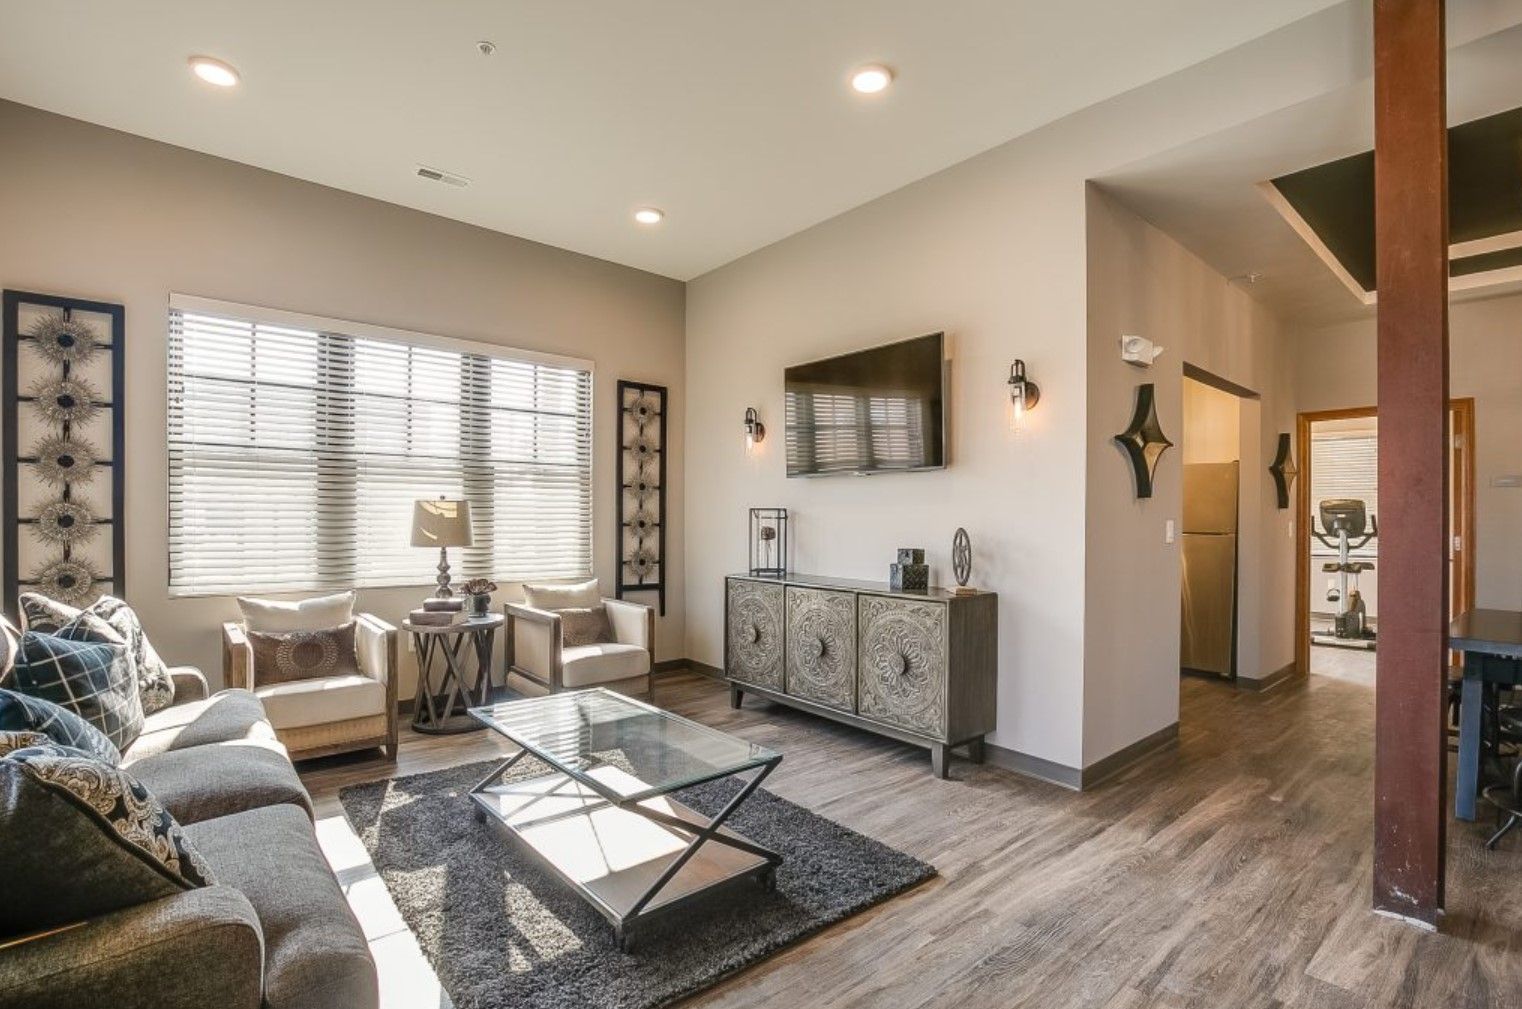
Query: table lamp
(441,523)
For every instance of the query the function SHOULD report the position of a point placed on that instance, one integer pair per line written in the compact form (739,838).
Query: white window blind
(296,451)
(1345,465)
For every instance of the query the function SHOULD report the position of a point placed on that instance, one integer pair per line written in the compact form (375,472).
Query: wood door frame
(1463,435)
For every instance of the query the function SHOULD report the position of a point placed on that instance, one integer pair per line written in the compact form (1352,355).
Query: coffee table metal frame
(699,831)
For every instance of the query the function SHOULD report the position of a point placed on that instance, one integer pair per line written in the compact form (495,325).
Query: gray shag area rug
(502,932)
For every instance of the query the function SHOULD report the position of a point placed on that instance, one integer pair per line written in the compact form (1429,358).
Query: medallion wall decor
(63,448)
(1143,441)
(641,509)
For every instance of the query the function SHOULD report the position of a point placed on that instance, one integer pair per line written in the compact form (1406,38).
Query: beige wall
(93,213)
(1142,282)
(1334,368)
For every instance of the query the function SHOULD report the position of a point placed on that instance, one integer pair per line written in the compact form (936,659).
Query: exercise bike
(1346,526)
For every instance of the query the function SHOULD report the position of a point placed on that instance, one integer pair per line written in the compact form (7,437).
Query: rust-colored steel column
(1411,234)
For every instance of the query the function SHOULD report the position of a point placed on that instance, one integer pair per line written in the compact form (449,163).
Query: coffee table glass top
(618,746)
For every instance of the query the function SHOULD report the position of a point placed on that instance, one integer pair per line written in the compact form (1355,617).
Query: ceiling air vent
(448,178)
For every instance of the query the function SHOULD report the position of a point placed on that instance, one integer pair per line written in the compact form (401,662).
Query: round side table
(447,684)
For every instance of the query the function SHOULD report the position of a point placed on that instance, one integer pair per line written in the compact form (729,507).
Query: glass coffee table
(604,820)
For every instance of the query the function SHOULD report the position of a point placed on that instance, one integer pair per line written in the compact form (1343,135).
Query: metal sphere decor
(65,400)
(961,557)
(65,523)
(61,460)
(64,341)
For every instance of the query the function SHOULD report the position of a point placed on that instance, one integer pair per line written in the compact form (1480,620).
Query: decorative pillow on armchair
(154,685)
(303,655)
(584,626)
(80,838)
(77,669)
(581,595)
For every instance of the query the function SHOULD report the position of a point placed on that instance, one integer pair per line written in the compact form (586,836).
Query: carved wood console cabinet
(918,666)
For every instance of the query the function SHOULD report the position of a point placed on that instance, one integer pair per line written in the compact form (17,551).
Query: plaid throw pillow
(155,686)
(91,678)
(22,714)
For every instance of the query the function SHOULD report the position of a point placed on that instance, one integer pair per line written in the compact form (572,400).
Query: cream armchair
(326,715)
(539,662)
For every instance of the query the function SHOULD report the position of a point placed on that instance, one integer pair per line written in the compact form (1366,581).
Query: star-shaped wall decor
(1284,471)
(1144,440)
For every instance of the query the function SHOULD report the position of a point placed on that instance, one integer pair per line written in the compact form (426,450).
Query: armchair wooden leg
(391,749)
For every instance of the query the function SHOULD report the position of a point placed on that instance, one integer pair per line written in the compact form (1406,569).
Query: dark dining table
(1491,641)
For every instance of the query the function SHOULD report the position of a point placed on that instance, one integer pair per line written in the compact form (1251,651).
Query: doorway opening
(1219,418)
(1337,536)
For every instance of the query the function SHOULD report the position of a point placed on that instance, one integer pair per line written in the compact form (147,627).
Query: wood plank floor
(1230,872)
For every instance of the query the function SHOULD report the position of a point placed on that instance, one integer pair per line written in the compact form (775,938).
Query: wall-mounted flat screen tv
(875,411)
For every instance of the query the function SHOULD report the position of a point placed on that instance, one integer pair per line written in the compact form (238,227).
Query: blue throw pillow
(92,678)
(20,713)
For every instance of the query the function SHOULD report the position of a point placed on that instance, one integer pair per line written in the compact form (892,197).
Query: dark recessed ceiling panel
(1336,200)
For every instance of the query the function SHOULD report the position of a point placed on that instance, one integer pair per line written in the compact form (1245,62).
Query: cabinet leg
(735,696)
(938,759)
(975,750)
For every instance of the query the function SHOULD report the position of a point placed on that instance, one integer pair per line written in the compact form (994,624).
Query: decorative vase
(480,604)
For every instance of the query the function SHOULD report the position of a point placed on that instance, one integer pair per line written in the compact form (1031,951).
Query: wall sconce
(755,431)
(1023,395)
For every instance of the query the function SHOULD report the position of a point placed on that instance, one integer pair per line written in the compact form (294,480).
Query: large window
(1345,464)
(297,446)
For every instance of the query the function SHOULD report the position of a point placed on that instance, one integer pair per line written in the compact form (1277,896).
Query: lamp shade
(441,522)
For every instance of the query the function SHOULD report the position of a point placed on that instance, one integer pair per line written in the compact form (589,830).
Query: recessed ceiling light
(214,71)
(649,215)
(871,79)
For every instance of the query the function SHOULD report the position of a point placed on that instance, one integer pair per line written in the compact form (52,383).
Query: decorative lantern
(768,541)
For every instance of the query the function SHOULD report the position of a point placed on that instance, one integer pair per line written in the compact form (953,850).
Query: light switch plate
(1509,480)
(1168,531)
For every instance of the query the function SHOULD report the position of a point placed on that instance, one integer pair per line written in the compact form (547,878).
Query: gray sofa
(274,931)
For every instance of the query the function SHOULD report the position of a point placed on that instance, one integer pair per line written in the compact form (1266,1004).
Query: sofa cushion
(589,665)
(80,838)
(20,713)
(201,782)
(300,703)
(92,678)
(155,687)
(227,717)
(315,955)
(303,655)
(277,616)
(559,597)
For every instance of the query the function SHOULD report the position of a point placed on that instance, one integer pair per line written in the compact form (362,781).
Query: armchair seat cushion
(315,956)
(204,782)
(605,662)
(299,703)
(226,717)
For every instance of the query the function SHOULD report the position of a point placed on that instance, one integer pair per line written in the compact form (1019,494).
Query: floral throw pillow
(80,838)
(585,626)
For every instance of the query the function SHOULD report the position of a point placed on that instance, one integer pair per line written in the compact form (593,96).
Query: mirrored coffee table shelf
(604,819)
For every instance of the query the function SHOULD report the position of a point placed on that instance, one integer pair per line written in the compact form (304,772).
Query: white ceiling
(732,115)
(1206,194)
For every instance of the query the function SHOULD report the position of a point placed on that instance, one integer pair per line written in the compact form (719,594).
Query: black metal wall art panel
(641,509)
(64,437)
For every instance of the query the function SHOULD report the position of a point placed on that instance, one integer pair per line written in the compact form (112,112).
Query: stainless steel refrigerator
(1209,634)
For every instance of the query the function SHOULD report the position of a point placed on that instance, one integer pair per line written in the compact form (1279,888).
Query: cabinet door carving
(755,633)
(821,647)
(902,677)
